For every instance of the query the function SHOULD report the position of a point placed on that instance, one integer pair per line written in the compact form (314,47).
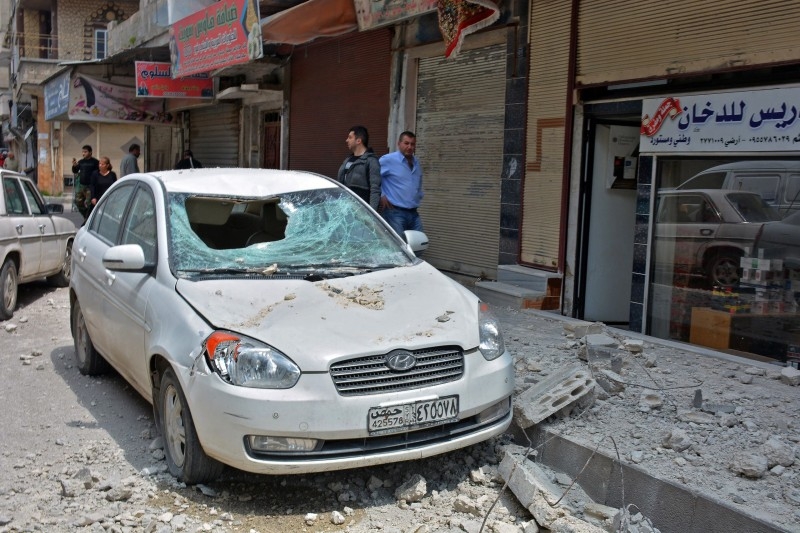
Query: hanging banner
(752,121)
(372,13)
(56,97)
(154,80)
(227,33)
(93,100)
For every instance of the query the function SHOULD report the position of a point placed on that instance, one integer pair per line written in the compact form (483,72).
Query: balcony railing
(37,45)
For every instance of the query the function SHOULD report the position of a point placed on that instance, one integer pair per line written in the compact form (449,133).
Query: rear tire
(62,278)
(89,360)
(185,456)
(723,269)
(8,289)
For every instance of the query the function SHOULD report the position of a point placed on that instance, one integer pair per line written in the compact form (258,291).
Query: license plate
(415,415)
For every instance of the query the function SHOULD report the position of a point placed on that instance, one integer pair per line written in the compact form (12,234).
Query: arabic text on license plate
(412,415)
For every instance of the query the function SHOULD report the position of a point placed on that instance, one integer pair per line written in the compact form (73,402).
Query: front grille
(370,375)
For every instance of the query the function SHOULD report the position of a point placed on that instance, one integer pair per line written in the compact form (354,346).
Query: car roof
(710,192)
(756,165)
(247,182)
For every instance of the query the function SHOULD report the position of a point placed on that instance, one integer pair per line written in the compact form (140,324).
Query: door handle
(82,254)
(41,228)
(706,232)
(110,277)
(19,227)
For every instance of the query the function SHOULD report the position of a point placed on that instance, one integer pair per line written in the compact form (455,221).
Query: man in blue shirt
(401,186)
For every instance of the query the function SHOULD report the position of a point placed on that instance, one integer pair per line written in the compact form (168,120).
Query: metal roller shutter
(646,39)
(335,85)
(540,238)
(214,135)
(460,118)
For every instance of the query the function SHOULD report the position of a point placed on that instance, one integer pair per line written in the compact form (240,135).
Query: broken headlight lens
(492,345)
(248,363)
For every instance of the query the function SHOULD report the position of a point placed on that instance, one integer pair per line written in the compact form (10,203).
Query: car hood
(316,323)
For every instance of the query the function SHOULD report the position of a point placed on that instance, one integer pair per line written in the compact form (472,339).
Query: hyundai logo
(400,360)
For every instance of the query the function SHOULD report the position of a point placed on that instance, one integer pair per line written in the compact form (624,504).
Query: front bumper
(224,415)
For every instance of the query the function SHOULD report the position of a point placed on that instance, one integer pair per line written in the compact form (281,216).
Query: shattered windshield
(298,231)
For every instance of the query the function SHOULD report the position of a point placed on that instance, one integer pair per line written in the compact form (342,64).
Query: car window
(15,203)
(34,200)
(305,229)
(686,209)
(140,226)
(791,193)
(107,219)
(710,180)
(765,185)
(753,208)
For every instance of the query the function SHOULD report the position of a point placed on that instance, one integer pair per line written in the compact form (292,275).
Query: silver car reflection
(704,232)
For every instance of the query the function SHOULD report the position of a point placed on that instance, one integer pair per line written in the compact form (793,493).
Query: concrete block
(552,394)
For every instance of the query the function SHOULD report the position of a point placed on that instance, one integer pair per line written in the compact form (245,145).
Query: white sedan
(278,325)
(34,244)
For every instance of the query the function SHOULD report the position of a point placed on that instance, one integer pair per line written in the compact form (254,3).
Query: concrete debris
(610,381)
(790,376)
(677,440)
(750,465)
(553,394)
(633,345)
(778,452)
(598,348)
(578,330)
(412,490)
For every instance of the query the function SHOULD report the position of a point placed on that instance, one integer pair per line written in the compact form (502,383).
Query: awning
(310,20)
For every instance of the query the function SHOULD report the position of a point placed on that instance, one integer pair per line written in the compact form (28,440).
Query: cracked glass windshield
(300,231)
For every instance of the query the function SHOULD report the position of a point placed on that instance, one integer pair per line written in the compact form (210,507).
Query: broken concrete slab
(558,390)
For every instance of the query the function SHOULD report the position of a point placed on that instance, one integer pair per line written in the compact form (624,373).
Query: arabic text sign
(154,80)
(227,33)
(752,121)
(374,13)
(93,100)
(56,97)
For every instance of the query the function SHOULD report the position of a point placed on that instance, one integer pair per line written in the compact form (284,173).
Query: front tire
(62,278)
(90,362)
(185,456)
(8,289)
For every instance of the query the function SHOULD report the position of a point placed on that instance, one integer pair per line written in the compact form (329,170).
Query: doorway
(608,221)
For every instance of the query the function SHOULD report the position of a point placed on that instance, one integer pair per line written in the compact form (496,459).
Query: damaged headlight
(492,345)
(249,363)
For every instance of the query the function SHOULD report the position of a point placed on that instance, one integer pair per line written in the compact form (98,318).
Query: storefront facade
(628,259)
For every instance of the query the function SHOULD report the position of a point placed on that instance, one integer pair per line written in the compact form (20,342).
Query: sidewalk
(707,441)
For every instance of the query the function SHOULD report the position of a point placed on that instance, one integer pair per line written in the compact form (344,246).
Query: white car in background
(34,244)
(278,325)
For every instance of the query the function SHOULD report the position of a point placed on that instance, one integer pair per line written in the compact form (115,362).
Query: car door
(127,293)
(25,227)
(685,224)
(92,278)
(52,253)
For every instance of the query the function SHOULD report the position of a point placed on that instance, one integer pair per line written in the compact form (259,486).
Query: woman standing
(101,180)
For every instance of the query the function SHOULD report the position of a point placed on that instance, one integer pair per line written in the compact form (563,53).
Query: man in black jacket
(83,170)
(361,172)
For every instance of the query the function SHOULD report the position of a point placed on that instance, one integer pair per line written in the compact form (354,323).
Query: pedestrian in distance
(361,171)
(103,178)
(188,161)
(83,171)
(401,185)
(130,163)
(11,162)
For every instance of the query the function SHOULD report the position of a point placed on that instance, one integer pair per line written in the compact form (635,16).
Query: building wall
(77,20)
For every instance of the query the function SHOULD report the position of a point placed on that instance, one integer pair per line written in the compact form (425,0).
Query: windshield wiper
(228,270)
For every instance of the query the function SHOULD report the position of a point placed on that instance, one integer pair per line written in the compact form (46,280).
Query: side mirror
(54,208)
(417,241)
(125,257)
